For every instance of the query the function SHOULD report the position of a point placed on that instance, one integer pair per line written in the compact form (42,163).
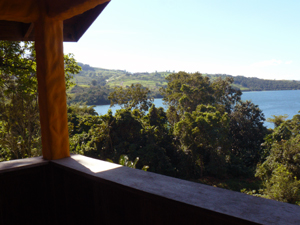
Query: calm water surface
(270,102)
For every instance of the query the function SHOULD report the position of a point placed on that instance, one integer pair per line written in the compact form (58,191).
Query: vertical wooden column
(51,88)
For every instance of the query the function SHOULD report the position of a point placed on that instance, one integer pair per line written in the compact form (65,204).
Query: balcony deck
(82,190)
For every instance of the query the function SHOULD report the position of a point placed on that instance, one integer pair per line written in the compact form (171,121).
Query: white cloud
(272,62)
(289,62)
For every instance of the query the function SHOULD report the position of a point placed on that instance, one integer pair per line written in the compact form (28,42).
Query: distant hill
(118,77)
(122,77)
(94,84)
(256,84)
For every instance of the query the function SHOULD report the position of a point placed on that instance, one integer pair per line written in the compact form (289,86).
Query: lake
(270,102)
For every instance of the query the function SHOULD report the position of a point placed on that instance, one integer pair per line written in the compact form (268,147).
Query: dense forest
(206,135)
(93,85)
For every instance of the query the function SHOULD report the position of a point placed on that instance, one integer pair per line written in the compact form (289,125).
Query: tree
(184,92)
(94,82)
(283,186)
(135,96)
(19,109)
(203,133)
(130,133)
(71,67)
(277,120)
(158,150)
(19,117)
(212,123)
(247,133)
(225,95)
(280,171)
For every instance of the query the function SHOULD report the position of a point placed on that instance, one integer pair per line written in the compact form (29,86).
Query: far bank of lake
(270,102)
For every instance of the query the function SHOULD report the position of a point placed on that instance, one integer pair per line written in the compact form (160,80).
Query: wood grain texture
(51,88)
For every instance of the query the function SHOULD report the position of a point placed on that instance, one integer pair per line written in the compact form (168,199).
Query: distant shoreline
(242,91)
(272,90)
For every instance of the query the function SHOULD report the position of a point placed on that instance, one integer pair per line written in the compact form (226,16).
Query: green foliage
(20,136)
(204,133)
(19,112)
(256,84)
(82,109)
(225,95)
(247,133)
(71,67)
(280,170)
(184,92)
(277,120)
(94,82)
(284,152)
(245,185)
(93,95)
(283,186)
(124,161)
(222,134)
(128,133)
(159,151)
(116,77)
(135,96)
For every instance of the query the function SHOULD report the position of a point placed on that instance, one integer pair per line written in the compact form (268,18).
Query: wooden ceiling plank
(25,11)
(74,27)
(29,31)
(62,10)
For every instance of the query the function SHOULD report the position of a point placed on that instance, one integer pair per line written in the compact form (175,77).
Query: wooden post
(51,88)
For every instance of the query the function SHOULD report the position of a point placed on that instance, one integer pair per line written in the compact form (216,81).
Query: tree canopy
(280,170)
(133,97)
(19,112)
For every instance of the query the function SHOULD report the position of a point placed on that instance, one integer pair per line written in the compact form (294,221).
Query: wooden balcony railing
(82,190)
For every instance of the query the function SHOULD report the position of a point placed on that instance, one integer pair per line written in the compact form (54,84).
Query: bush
(283,186)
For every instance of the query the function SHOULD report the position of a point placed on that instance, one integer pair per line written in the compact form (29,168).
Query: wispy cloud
(272,62)
(289,62)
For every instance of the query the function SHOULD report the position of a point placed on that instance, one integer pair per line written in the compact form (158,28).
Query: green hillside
(256,84)
(94,84)
(118,77)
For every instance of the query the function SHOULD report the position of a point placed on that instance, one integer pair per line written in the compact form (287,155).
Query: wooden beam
(51,88)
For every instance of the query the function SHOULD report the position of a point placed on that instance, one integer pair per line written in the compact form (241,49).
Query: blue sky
(253,38)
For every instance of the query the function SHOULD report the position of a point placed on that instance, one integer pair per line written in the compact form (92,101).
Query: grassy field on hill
(92,82)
